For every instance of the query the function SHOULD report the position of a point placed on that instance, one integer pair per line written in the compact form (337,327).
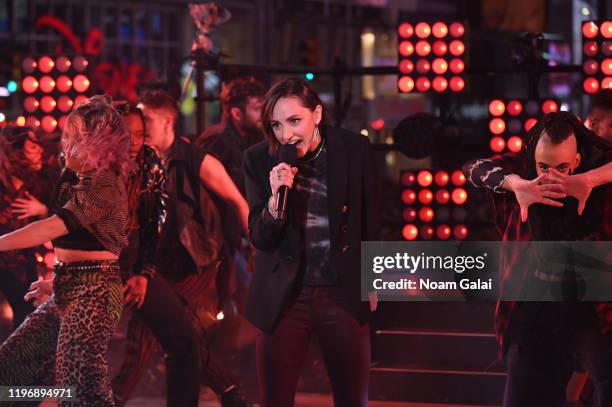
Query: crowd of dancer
(145,219)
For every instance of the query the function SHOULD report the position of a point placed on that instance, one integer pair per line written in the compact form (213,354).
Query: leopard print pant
(67,336)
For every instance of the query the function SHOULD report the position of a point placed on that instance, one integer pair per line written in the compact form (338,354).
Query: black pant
(548,340)
(14,286)
(345,346)
(163,314)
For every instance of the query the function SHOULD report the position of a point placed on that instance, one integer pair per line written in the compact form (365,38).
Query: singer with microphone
(310,191)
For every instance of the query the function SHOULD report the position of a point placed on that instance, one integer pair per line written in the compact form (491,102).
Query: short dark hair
(237,92)
(558,126)
(602,100)
(289,87)
(160,99)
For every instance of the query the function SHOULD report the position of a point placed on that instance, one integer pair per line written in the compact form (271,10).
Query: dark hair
(563,223)
(12,158)
(160,99)
(558,126)
(602,100)
(238,91)
(292,87)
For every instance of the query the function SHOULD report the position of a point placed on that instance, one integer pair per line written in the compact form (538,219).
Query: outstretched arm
(34,234)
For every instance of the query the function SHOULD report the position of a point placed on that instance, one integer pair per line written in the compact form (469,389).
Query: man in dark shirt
(240,128)
(561,158)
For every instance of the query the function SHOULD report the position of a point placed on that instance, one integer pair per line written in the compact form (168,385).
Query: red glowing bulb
(529,123)
(425,196)
(515,108)
(590,85)
(64,84)
(423,84)
(405,84)
(405,30)
(606,83)
(589,29)
(423,48)
(497,144)
(440,84)
(406,66)
(457,178)
(440,48)
(440,30)
(497,126)
(443,232)
(457,48)
(426,214)
(423,66)
(29,84)
(423,30)
(439,66)
(30,104)
(49,123)
(47,84)
(457,66)
(408,179)
(424,178)
(459,196)
(606,66)
(442,196)
(46,64)
(80,83)
(410,232)
(590,67)
(590,48)
(457,84)
(497,107)
(47,104)
(606,29)
(406,48)
(457,29)
(514,144)
(549,106)
(409,214)
(408,196)
(460,232)
(426,232)
(441,178)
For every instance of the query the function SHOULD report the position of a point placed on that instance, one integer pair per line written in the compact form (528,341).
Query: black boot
(234,398)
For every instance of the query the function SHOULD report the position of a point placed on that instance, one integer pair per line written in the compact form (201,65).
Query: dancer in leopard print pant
(65,341)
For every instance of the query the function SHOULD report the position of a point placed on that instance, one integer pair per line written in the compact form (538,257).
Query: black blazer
(352,218)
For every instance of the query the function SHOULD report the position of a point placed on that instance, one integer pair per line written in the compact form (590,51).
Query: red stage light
(423,84)
(47,84)
(606,48)
(423,66)
(62,122)
(30,104)
(406,48)
(497,107)
(606,29)
(64,84)
(440,30)
(32,121)
(409,214)
(497,144)
(378,124)
(457,178)
(80,63)
(439,66)
(549,106)
(29,84)
(21,121)
(457,48)
(457,84)
(409,196)
(64,103)
(606,66)
(408,179)
(405,30)
(28,65)
(442,196)
(440,48)
(589,29)
(590,85)
(606,83)
(80,83)
(426,232)
(590,67)
(45,64)
(529,123)
(423,30)
(515,143)
(515,108)
(460,232)
(497,126)
(426,214)
(423,48)
(47,104)
(440,84)
(406,66)
(590,48)
(459,196)
(457,29)
(443,232)
(62,64)
(405,84)
(441,178)
(424,178)
(410,232)
(425,196)
(49,123)
(457,66)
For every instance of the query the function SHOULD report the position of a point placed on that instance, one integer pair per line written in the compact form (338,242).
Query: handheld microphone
(287,153)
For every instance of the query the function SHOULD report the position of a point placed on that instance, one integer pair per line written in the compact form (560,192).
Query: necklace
(307,159)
